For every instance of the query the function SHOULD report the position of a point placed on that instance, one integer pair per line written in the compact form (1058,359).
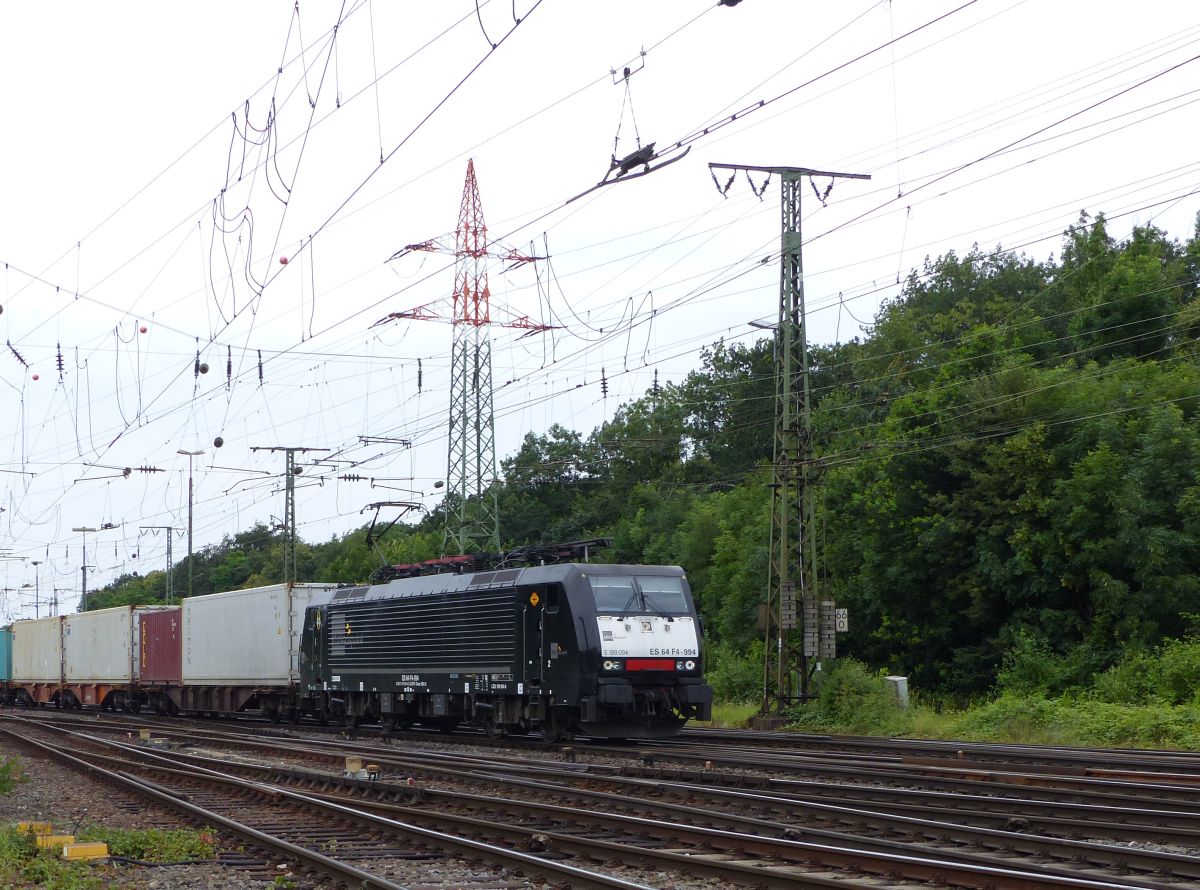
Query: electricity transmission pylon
(473,522)
(471,462)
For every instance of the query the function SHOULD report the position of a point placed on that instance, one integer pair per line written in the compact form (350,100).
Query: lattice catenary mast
(793,572)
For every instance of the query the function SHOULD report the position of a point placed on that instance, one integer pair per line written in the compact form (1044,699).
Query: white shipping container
(246,637)
(98,646)
(37,650)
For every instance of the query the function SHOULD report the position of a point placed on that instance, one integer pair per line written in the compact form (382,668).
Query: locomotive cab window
(614,593)
(658,594)
(663,594)
(552,591)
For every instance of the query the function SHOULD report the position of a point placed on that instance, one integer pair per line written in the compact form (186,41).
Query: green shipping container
(5,654)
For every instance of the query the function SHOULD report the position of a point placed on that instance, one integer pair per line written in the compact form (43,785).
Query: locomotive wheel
(494,730)
(554,730)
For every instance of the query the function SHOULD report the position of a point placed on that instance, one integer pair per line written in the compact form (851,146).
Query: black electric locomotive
(600,650)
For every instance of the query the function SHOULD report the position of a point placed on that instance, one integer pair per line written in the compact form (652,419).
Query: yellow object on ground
(95,850)
(35,827)
(49,841)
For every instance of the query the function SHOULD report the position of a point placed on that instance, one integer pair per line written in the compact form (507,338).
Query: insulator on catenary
(59,361)
(228,366)
(196,370)
(419,375)
(260,367)
(603,384)
(18,355)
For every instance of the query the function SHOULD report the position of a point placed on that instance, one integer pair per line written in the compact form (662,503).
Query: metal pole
(170,578)
(190,455)
(83,568)
(36,589)
(291,471)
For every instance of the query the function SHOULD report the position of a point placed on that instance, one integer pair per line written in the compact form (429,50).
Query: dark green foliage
(736,674)
(853,699)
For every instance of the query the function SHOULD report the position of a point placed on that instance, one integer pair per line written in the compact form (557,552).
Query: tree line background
(1008,456)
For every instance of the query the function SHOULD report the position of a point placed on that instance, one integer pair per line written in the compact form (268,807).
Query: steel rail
(576,877)
(787,848)
(1131,757)
(340,871)
(986,876)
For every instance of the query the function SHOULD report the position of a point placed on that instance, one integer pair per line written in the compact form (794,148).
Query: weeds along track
(641,819)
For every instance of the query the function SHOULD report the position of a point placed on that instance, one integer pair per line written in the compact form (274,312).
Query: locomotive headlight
(612,665)
(679,665)
(690,665)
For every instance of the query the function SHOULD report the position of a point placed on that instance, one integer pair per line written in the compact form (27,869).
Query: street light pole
(190,455)
(83,568)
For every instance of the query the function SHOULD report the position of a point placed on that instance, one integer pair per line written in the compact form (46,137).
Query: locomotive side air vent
(507,576)
(472,630)
(349,593)
(482,579)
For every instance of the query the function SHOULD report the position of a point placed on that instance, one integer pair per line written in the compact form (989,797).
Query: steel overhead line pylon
(473,522)
(471,454)
(793,571)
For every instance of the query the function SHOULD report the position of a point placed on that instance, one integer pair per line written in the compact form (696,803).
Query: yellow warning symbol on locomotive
(534,599)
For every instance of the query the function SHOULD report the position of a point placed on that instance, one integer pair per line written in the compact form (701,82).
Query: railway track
(696,822)
(1116,761)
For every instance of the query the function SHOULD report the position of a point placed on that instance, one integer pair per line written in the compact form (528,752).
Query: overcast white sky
(121,163)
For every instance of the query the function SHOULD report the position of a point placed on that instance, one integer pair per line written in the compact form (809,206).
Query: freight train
(563,648)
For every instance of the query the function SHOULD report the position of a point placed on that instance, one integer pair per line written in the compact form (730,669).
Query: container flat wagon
(241,649)
(37,659)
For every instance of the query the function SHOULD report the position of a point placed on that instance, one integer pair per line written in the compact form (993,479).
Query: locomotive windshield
(662,595)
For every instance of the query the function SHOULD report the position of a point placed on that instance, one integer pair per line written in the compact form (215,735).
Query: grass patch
(153,844)
(10,775)
(851,700)
(730,715)
(22,864)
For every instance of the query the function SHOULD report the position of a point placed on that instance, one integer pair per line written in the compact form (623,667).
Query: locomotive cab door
(532,632)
